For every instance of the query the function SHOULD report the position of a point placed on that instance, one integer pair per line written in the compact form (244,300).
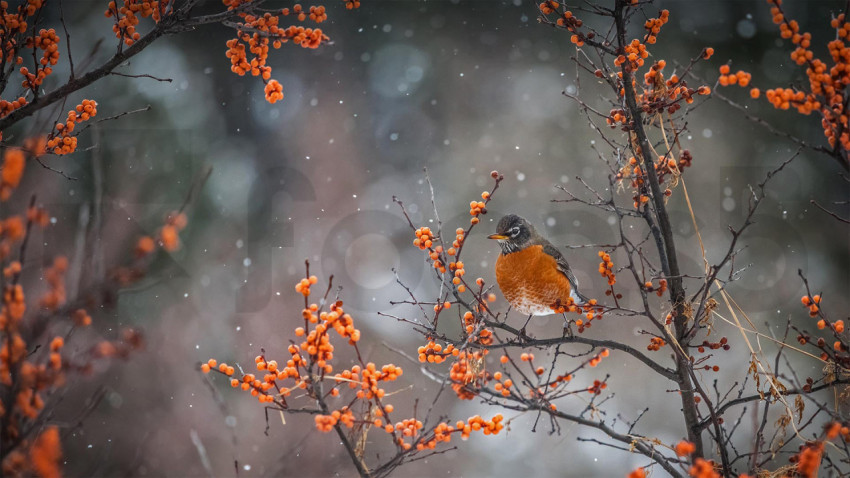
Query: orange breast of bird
(531,281)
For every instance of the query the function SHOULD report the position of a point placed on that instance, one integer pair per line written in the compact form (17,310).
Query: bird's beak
(498,237)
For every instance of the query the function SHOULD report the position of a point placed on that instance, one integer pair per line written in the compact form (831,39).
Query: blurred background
(460,88)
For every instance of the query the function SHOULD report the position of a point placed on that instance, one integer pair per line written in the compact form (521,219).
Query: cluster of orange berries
(317,344)
(408,427)
(223,367)
(12,270)
(703,468)
(424,238)
(567,21)
(320,351)
(14,21)
(168,236)
(14,305)
(658,95)
(443,431)
(62,142)
(664,166)
(12,230)
(826,84)
(371,377)
(606,267)
(653,26)
(459,272)
(635,53)
(588,310)
(7,107)
(684,448)
(503,387)
(834,429)
(723,343)
(838,326)
(306,37)
(791,30)
(337,318)
(317,14)
(597,387)
(48,41)
(654,79)
(273,91)
(741,78)
(31,378)
(562,307)
(598,357)
(434,353)
(325,423)
(459,236)
(484,336)
(266,32)
(425,241)
(469,322)
(812,303)
(493,426)
(303,286)
(11,353)
(14,162)
(81,318)
(559,380)
(655,344)
(547,7)
(238,59)
(476,208)
(55,357)
(637,473)
(169,233)
(659,291)
(55,278)
(616,116)
(367,379)
(466,371)
(784,98)
(126,17)
(808,459)
(38,215)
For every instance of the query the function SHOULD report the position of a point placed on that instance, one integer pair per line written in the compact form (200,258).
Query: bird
(532,273)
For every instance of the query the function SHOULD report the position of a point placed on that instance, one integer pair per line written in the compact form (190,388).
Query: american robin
(533,274)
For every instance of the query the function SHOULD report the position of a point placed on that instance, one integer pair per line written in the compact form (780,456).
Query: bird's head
(514,233)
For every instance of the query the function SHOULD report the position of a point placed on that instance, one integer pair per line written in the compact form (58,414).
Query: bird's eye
(514,231)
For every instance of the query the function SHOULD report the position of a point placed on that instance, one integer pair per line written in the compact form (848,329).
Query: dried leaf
(799,406)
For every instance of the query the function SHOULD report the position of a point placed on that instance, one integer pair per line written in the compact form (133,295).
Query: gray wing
(564,268)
